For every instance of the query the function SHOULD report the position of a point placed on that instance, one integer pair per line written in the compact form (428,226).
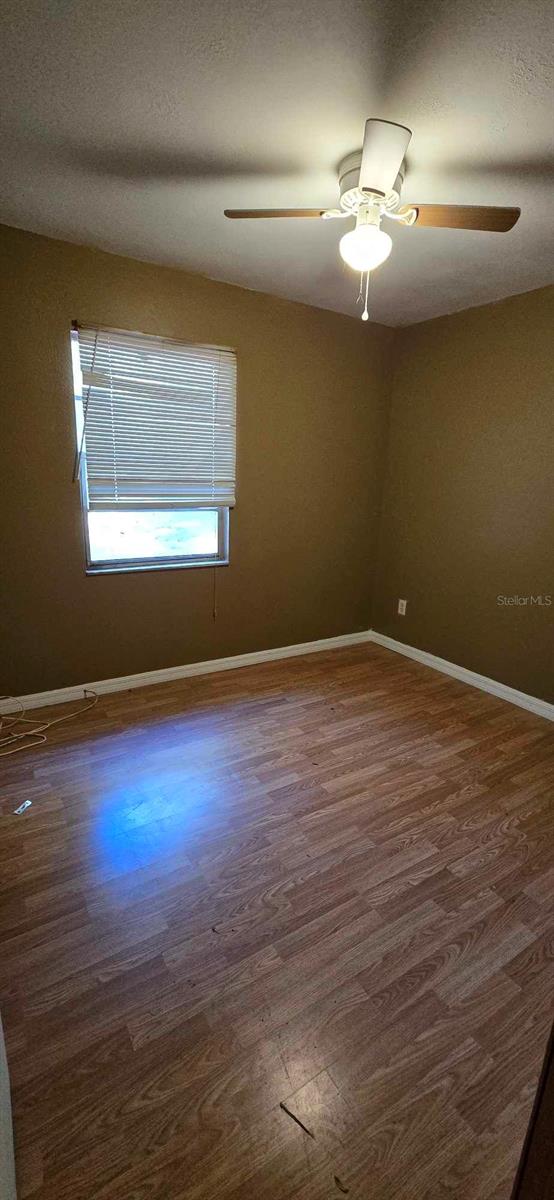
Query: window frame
(117,566)
(130,565)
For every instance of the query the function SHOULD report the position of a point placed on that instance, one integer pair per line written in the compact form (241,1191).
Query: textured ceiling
(130,125)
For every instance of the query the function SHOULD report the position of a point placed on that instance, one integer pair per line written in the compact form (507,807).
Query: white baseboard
(166,674)
(541,707)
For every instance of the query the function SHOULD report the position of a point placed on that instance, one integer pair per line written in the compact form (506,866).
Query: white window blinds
(159,422)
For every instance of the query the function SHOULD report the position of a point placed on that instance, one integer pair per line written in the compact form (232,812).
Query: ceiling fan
(370,185)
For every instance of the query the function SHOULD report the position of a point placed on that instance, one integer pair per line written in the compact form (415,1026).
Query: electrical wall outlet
(402,607)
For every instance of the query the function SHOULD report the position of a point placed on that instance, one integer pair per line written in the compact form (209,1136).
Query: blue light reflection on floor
(148,819)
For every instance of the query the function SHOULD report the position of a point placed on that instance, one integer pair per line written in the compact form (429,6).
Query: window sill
(133,568)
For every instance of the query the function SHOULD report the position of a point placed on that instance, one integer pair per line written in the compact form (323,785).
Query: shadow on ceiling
(165,166)
(540,167)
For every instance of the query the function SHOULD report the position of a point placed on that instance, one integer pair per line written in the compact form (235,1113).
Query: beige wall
(312,399)
(468,506)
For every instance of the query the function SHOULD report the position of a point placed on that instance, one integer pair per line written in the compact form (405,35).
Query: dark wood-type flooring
(324,883)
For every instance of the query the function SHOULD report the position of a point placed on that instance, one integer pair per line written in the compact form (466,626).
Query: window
(155,449)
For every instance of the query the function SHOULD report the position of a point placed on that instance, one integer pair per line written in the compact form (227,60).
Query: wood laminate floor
(324,883)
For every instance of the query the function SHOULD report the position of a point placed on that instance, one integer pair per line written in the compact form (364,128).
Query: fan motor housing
(350,194)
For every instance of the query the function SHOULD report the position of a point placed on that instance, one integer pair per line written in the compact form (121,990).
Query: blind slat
(160,421)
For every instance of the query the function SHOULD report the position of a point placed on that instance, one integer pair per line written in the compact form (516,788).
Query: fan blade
(385,145)
(463,216)
(242,213)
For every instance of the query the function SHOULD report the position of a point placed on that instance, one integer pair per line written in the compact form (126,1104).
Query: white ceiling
(131,124)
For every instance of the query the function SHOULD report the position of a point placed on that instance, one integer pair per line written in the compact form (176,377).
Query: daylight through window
(155,449)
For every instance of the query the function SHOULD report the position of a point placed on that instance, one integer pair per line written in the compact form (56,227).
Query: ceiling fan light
(365,247)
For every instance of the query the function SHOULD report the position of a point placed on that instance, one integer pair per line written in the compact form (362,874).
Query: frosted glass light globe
(365,247)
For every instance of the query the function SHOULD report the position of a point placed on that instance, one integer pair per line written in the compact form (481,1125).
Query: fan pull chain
(365,314)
